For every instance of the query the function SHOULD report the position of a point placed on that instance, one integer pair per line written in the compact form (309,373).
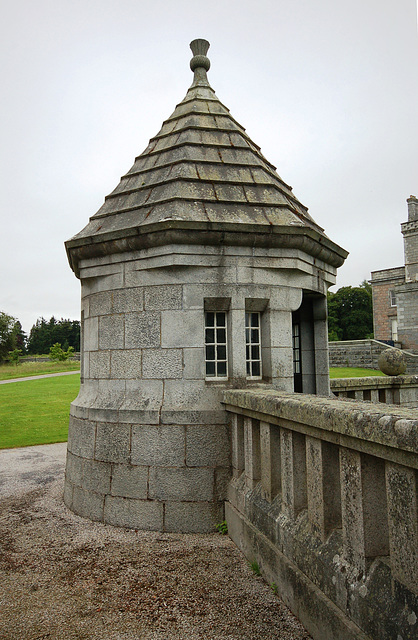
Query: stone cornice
(198,233)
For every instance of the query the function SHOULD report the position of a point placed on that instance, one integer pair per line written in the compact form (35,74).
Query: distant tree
(334,330)
(45,333)
(38,341)
(365,284)
(21,338)
(10,328)
(350,313)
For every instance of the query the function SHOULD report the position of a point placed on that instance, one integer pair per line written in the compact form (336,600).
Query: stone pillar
(281,352)
(237,321)
(319,306)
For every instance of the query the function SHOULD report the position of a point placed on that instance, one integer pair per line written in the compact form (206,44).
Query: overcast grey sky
(327,88)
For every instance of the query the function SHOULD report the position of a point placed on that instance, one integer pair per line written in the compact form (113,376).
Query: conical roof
(201,173)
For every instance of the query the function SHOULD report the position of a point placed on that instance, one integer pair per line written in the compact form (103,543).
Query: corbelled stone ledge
(324,497)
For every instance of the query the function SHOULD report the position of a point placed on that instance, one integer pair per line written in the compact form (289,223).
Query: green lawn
(349,372)
(36,411)
(10,371)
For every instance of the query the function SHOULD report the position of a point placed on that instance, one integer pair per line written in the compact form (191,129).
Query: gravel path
(43,375)
(63,577)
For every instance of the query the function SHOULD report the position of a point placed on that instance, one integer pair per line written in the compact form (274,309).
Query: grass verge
(26,369)
(36,411)
(350,372)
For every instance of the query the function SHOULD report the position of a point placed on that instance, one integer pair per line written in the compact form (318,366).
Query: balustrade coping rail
(386,431)
(375,382)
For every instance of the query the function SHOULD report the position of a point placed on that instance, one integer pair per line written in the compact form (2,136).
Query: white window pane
(216,344)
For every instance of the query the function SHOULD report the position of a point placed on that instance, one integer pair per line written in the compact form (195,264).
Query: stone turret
(407,293)
(201,271)
(410,235)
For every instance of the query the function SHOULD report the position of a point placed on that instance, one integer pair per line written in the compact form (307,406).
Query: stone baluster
(403,523)
(252,452)
(293,459)
(364,508)
(323,486)
(270,460)
(237,437)
(389,396)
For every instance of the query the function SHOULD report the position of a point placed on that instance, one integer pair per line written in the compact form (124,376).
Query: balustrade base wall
(311,576)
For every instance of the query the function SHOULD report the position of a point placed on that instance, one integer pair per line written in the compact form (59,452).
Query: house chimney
(412,208)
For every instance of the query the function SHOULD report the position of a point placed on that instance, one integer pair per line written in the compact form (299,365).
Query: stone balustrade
(324,497)
(401,390)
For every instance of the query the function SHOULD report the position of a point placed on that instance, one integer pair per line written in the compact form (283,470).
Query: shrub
(57,353)
(14,356)
(222,527)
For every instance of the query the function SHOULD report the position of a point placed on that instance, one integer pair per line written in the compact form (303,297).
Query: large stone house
(395,291)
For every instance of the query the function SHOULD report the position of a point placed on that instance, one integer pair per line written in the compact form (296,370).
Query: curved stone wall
(148,443)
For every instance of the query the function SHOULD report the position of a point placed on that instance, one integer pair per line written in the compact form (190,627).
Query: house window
(392,297)
(394,330)
(216,344)
(253,344)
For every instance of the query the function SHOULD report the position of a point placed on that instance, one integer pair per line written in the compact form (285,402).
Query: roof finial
(199,49)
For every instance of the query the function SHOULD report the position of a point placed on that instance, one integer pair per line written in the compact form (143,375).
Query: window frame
(251,344)
(216,343)
(394,329)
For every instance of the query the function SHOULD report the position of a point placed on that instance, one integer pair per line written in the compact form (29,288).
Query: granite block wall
(149,444)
